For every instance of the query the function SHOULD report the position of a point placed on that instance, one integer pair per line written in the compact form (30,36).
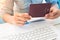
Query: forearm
(6,8)
(7,18)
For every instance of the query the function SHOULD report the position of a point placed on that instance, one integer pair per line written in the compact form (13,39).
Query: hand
(20,19)
(53,13)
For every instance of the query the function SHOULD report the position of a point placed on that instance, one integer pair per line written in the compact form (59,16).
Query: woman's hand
(54,13)
(17,18)
(20,19)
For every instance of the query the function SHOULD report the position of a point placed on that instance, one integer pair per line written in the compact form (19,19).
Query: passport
(39,10)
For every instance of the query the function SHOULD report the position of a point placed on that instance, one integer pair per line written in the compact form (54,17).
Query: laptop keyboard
(41,31)
(38,33)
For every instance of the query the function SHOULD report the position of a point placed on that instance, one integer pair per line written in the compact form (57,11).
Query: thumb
(47,16)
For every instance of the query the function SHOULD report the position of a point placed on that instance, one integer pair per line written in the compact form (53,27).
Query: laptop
(34,31)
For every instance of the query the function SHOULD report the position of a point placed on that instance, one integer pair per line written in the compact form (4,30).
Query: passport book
(39,10)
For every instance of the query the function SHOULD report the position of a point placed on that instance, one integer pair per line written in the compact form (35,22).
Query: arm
(6,9)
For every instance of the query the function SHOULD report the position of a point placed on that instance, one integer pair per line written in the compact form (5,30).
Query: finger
(20,19)
(20,22)
(26,15)
(53,17)
(23,14)
(53,13)
(18,15)
(51,9)
(47,15)
(56,16)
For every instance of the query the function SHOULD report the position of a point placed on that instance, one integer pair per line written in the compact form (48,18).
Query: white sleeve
(6,6)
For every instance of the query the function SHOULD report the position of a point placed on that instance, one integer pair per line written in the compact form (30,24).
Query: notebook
(39,10)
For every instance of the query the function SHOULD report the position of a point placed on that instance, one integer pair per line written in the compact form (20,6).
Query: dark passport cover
(39,10)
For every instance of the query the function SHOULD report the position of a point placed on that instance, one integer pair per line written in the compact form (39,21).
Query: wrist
(8,18)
